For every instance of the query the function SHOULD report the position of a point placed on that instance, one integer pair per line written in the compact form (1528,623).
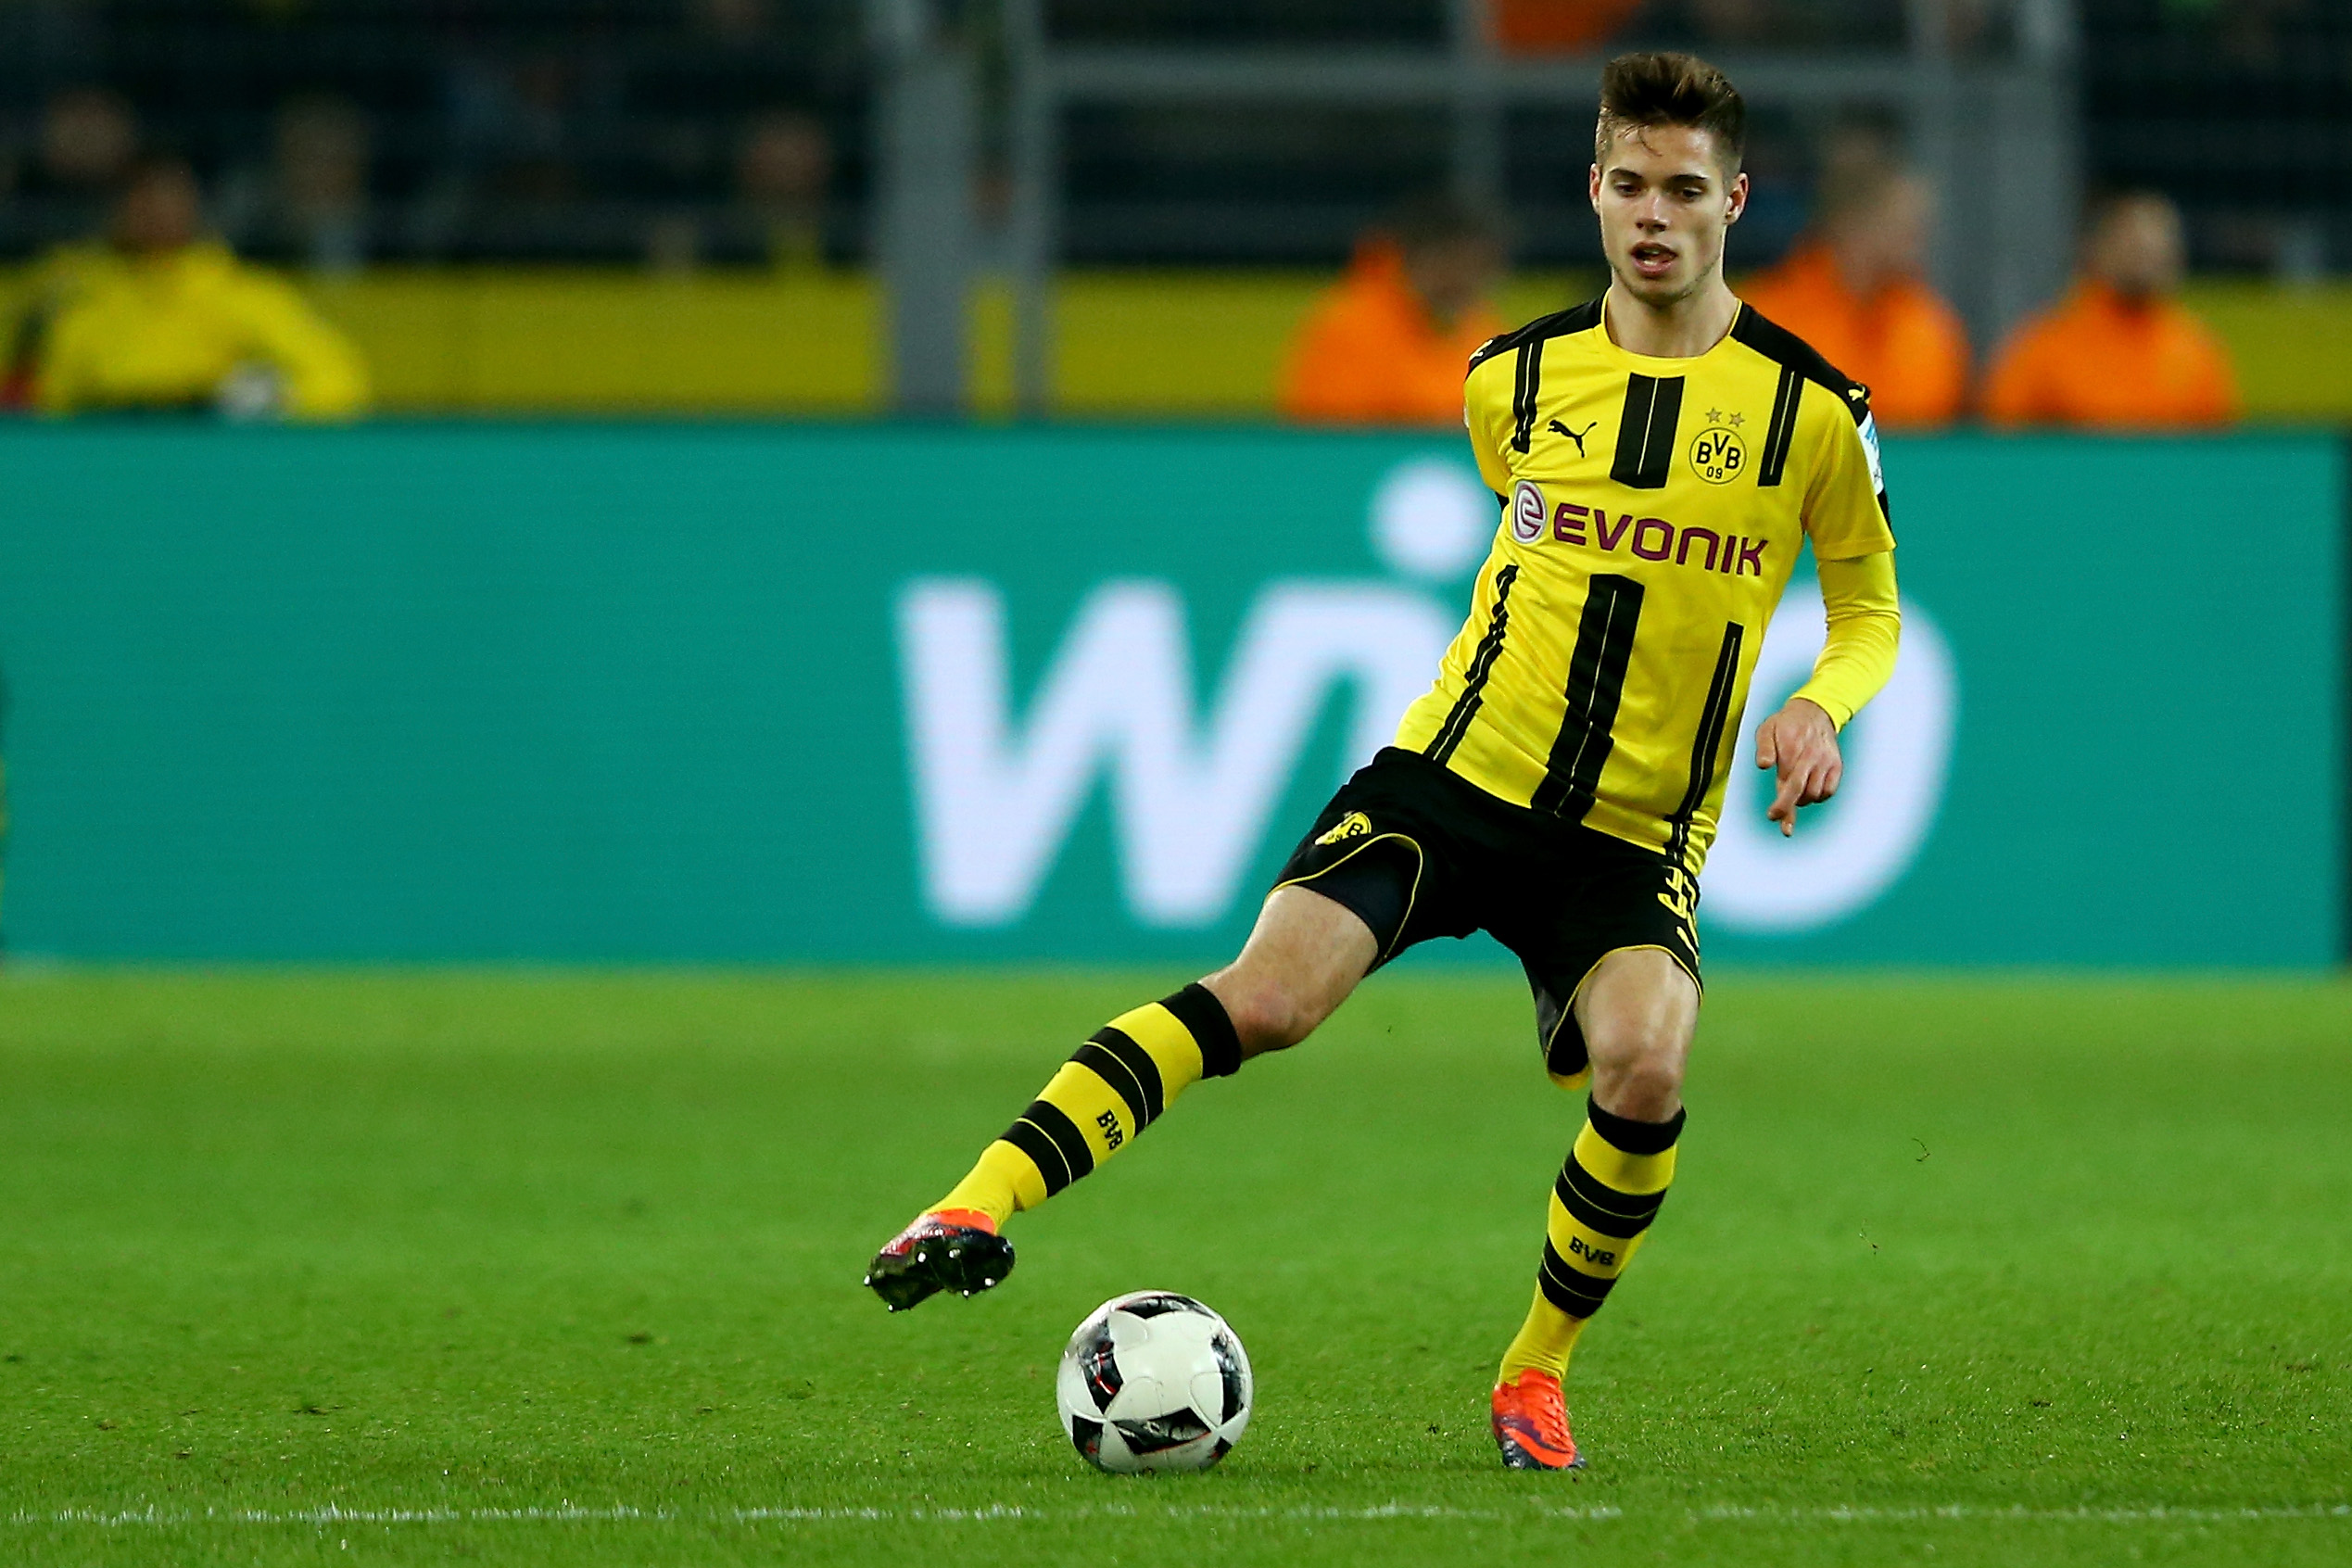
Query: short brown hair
(1663,88)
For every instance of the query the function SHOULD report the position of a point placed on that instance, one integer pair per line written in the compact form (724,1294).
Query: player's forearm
(1865,626)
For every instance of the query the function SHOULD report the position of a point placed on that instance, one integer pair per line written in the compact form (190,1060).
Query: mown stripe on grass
(2159,1513)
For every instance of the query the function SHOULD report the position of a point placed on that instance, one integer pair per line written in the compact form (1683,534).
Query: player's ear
(1738,197)
(1593,188)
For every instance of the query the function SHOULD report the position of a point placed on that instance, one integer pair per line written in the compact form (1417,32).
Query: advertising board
(903,694)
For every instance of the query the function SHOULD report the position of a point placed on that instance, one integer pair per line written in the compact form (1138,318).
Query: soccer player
(1661,455)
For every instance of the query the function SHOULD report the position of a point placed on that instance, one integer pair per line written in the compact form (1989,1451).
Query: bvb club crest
(1717,456)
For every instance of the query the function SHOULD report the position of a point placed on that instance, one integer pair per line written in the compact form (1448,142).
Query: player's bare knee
(1645,1092)
(1637,1067)
(1267,1014)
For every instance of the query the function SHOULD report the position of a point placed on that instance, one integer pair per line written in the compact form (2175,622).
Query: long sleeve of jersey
(1866,626)
(325,377)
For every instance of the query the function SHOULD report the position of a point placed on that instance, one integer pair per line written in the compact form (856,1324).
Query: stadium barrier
(1132,343)
(896,695)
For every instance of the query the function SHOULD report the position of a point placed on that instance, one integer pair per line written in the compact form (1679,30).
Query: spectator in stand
(310,203)
(321,183)
(2120,352)
(783,170)
(1855,289)
(1388,342)
(177,323)
(88,139)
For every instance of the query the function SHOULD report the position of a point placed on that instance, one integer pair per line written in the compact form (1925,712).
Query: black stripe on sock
(1598,1207)
(1115,1074)
(1204,1020)
(1032,1142)
(1633,1137)
(1646,432)
(1146,1100)
(1597,669)
(1782,428)
(1053,1140)
(1121,1079)
(1481,664)
(1572,1290)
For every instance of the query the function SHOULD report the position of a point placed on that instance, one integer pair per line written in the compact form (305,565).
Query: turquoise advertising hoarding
(903,694)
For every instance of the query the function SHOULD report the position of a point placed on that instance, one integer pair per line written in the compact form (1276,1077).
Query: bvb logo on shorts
(1355,825)
(1718,456)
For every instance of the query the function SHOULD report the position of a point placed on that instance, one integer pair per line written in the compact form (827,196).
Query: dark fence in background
(684,131)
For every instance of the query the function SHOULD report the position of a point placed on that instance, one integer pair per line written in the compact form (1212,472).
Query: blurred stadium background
(1091,296)
(684,205)
(493,491)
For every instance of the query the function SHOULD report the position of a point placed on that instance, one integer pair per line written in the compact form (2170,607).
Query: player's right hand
(1802,743)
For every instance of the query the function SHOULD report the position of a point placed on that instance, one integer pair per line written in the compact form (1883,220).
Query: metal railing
(1997,134)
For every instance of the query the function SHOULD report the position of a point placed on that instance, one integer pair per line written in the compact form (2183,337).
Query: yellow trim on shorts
(1412,895)
(1568,1010)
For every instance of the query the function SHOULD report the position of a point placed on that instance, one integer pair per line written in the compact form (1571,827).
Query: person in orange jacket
(1855,289)
(1556,27)
(2120,351)
(1388,342)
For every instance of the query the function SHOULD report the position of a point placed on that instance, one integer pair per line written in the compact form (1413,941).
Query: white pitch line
(567,1515)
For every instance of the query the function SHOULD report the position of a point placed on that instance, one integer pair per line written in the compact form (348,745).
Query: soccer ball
(1154,1381)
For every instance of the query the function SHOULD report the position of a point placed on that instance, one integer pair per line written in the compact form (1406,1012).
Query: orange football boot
(1531,1424)
(956,1249)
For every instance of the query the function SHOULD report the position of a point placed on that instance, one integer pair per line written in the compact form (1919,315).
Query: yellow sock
(1117,1084)
(1608,1193)
(1544,1343)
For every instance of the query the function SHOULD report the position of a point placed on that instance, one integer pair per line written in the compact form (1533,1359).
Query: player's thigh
(1638,1011)
(1607,936)
(1304,957)
(1371,876)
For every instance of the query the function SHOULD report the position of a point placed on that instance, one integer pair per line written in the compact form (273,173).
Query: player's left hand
(1801,743)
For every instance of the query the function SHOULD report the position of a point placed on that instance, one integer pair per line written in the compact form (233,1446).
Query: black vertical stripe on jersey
(1528,383)
(1481,664)
(1646,432)
(1782,430)
(1596,681)
(1703,749)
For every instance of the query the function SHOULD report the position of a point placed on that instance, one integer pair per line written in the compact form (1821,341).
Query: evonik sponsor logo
(1650,538)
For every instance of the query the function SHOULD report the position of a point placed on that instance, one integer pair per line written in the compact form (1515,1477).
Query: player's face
(1664,202)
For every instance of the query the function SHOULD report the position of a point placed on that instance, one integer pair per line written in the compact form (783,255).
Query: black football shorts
(1418,852)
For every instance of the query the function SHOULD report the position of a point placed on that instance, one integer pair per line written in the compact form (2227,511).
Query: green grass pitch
(345,1268)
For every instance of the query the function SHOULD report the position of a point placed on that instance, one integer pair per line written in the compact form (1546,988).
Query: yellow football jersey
(1653,510)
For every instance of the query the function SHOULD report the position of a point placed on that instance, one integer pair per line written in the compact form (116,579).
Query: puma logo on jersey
(1576,436)
(1355,825)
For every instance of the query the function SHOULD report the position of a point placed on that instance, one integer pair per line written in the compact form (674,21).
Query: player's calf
(1304,957)
(1117,1085)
